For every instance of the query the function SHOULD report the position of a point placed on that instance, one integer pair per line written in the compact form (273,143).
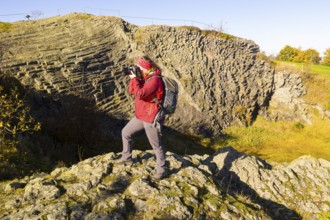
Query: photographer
(145,85)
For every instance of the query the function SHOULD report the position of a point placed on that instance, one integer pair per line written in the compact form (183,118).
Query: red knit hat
(144,63)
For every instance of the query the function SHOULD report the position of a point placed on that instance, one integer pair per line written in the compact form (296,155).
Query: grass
(281,141)
(302,67)
(318,90)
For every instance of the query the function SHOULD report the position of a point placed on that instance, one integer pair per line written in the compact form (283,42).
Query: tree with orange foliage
(326,58)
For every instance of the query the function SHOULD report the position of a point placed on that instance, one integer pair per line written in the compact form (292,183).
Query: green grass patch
(320,69)
(303,67)
(281,141)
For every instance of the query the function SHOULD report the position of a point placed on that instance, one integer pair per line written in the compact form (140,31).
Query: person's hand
(132,75)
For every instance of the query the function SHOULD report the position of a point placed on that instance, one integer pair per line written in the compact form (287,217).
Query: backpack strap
(160,115)
(154,97)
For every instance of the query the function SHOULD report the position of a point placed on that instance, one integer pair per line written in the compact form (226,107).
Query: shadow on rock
(234,186)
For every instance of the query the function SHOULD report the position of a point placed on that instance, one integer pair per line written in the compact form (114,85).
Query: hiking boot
(123,161)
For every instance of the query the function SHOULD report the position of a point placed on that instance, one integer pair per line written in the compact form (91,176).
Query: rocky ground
(225,185)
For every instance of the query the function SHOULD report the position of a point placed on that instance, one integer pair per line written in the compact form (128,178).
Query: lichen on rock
(238,186)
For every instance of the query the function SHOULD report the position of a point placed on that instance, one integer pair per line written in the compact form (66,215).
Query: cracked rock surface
(228,183)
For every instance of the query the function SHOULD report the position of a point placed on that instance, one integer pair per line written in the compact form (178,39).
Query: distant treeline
(297,55)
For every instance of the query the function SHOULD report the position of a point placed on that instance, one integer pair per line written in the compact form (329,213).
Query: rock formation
(225,185)
(287,102)
(221,80)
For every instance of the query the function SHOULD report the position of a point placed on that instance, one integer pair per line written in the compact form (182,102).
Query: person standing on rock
(146,85)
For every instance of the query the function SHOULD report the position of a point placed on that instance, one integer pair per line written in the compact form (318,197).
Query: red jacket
(144,91)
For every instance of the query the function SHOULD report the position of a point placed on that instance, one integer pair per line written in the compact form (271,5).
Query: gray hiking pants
(134,126)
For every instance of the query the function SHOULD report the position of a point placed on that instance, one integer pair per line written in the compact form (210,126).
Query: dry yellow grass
(318,90)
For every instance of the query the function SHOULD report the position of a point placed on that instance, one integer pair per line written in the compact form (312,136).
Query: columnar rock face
(221,81)
(225,185)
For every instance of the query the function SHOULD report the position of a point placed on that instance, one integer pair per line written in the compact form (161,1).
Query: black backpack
(170,96)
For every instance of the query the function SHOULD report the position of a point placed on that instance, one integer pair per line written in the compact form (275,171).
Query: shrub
(298,126)
(15,120)
(6,27)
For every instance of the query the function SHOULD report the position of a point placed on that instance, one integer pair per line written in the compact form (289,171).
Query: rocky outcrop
(287,102)
(225,185)
(221,81)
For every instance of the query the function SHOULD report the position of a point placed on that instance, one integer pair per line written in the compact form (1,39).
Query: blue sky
(271,24)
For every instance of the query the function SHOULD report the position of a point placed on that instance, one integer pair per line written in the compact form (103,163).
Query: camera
(135,69)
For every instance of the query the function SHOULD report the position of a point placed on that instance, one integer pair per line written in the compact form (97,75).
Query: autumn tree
(292,54)
(307,56)
(326,58)
(15,117)
(288,53)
